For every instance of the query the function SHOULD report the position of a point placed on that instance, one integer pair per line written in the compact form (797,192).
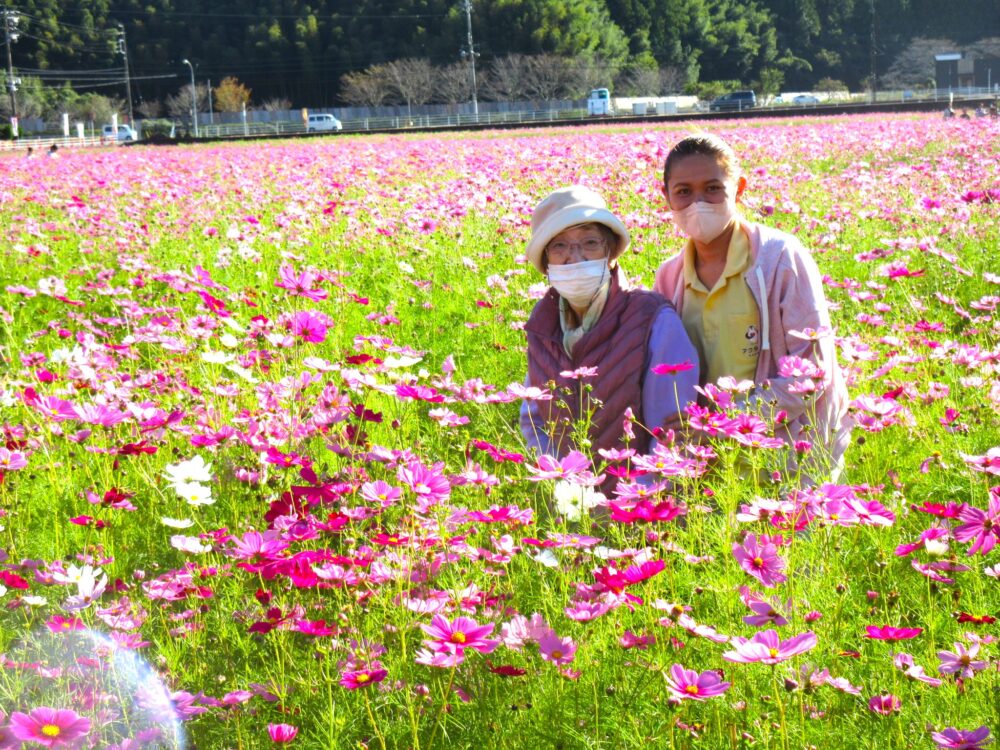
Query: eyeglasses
(560,252)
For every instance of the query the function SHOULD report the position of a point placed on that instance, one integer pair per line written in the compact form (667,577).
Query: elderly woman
(595,339)
(752,300)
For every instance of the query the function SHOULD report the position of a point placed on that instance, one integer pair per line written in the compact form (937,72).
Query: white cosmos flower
(217,358)
(229,341)
(546,558)
(189,544)
(177,523)
(192,470)
(572,500)
(195,493)
(400,361)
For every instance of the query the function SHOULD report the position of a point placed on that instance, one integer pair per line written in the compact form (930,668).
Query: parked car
(805,99)
(320,122)
(125,133)
(734,101)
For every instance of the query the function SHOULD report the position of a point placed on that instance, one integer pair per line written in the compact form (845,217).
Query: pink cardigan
(786,284)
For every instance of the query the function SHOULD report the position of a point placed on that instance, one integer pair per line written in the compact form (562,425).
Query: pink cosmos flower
(688,685)
(988,463)
(980,527)
(454,637)
(915,672)
(11,460)
(310,326)
(49,727)
(764,612)
(555,649)
(282,734)
(767,648)
(961,661)
(885,704)
(429,485)
(760,559)
(575,463)
(962,739)
(301,284)
(889,633)
(360,678)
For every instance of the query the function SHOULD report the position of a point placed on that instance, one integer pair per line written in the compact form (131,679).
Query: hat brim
(573,216)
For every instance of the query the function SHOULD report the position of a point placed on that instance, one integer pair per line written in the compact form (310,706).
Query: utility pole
(211,117)
(874,65)
(123,51)
(472,54)
(10,19)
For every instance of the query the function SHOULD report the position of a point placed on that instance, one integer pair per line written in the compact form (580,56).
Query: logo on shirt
(752,349)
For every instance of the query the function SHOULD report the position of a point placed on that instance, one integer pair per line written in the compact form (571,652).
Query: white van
(322,122)
(125,133)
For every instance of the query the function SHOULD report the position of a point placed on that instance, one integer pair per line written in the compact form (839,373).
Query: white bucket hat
(570,207)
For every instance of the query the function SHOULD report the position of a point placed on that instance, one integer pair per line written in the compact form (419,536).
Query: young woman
(749,296)
(594,338)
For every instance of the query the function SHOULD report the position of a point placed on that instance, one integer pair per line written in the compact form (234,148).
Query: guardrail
(500,119)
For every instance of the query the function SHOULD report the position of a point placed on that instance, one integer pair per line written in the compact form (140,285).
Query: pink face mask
(703,222)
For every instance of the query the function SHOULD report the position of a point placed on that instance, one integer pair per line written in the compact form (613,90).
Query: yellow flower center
(692,689)
(458,637)
(557,654)
(51,730)
(773,652)
(362,678)
(758,561)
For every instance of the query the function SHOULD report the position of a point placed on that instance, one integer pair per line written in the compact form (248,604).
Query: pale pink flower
(767,648)
(687,684)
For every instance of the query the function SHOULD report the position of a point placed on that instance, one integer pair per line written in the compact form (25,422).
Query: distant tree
(365,88)
(453,83)
(586,73)
(411,80)
(830,86)
(638,81)
(231,95)
(770,82)
(914,66)
(96,109)
(276,104)
(672,79)
(550,77)
(150,108)
(179,104)
(509,78)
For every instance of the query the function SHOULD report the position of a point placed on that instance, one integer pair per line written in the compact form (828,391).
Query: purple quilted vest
(617,346)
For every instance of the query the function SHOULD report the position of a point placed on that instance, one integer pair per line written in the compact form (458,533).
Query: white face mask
(579,283)
(703,222)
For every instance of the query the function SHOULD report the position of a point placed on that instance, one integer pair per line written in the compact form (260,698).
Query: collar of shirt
(737,261)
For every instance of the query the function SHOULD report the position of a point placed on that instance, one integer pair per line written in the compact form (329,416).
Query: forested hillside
(300,49)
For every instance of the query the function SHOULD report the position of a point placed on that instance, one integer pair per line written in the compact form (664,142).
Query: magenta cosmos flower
(962,739)
(760,560)
(884,704)
(688,685)
(282,733)
(889,633)
(767,648)
(360,678)
(49,727)
(454,637)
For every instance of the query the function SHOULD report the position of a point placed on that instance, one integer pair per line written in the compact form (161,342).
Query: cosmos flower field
(263,482)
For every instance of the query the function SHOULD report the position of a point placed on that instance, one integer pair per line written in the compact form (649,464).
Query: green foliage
(300,50)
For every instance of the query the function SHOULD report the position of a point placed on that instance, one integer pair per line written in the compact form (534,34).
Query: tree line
(322,53)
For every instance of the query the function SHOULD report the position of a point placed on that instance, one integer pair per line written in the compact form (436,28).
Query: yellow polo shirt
(723,322)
